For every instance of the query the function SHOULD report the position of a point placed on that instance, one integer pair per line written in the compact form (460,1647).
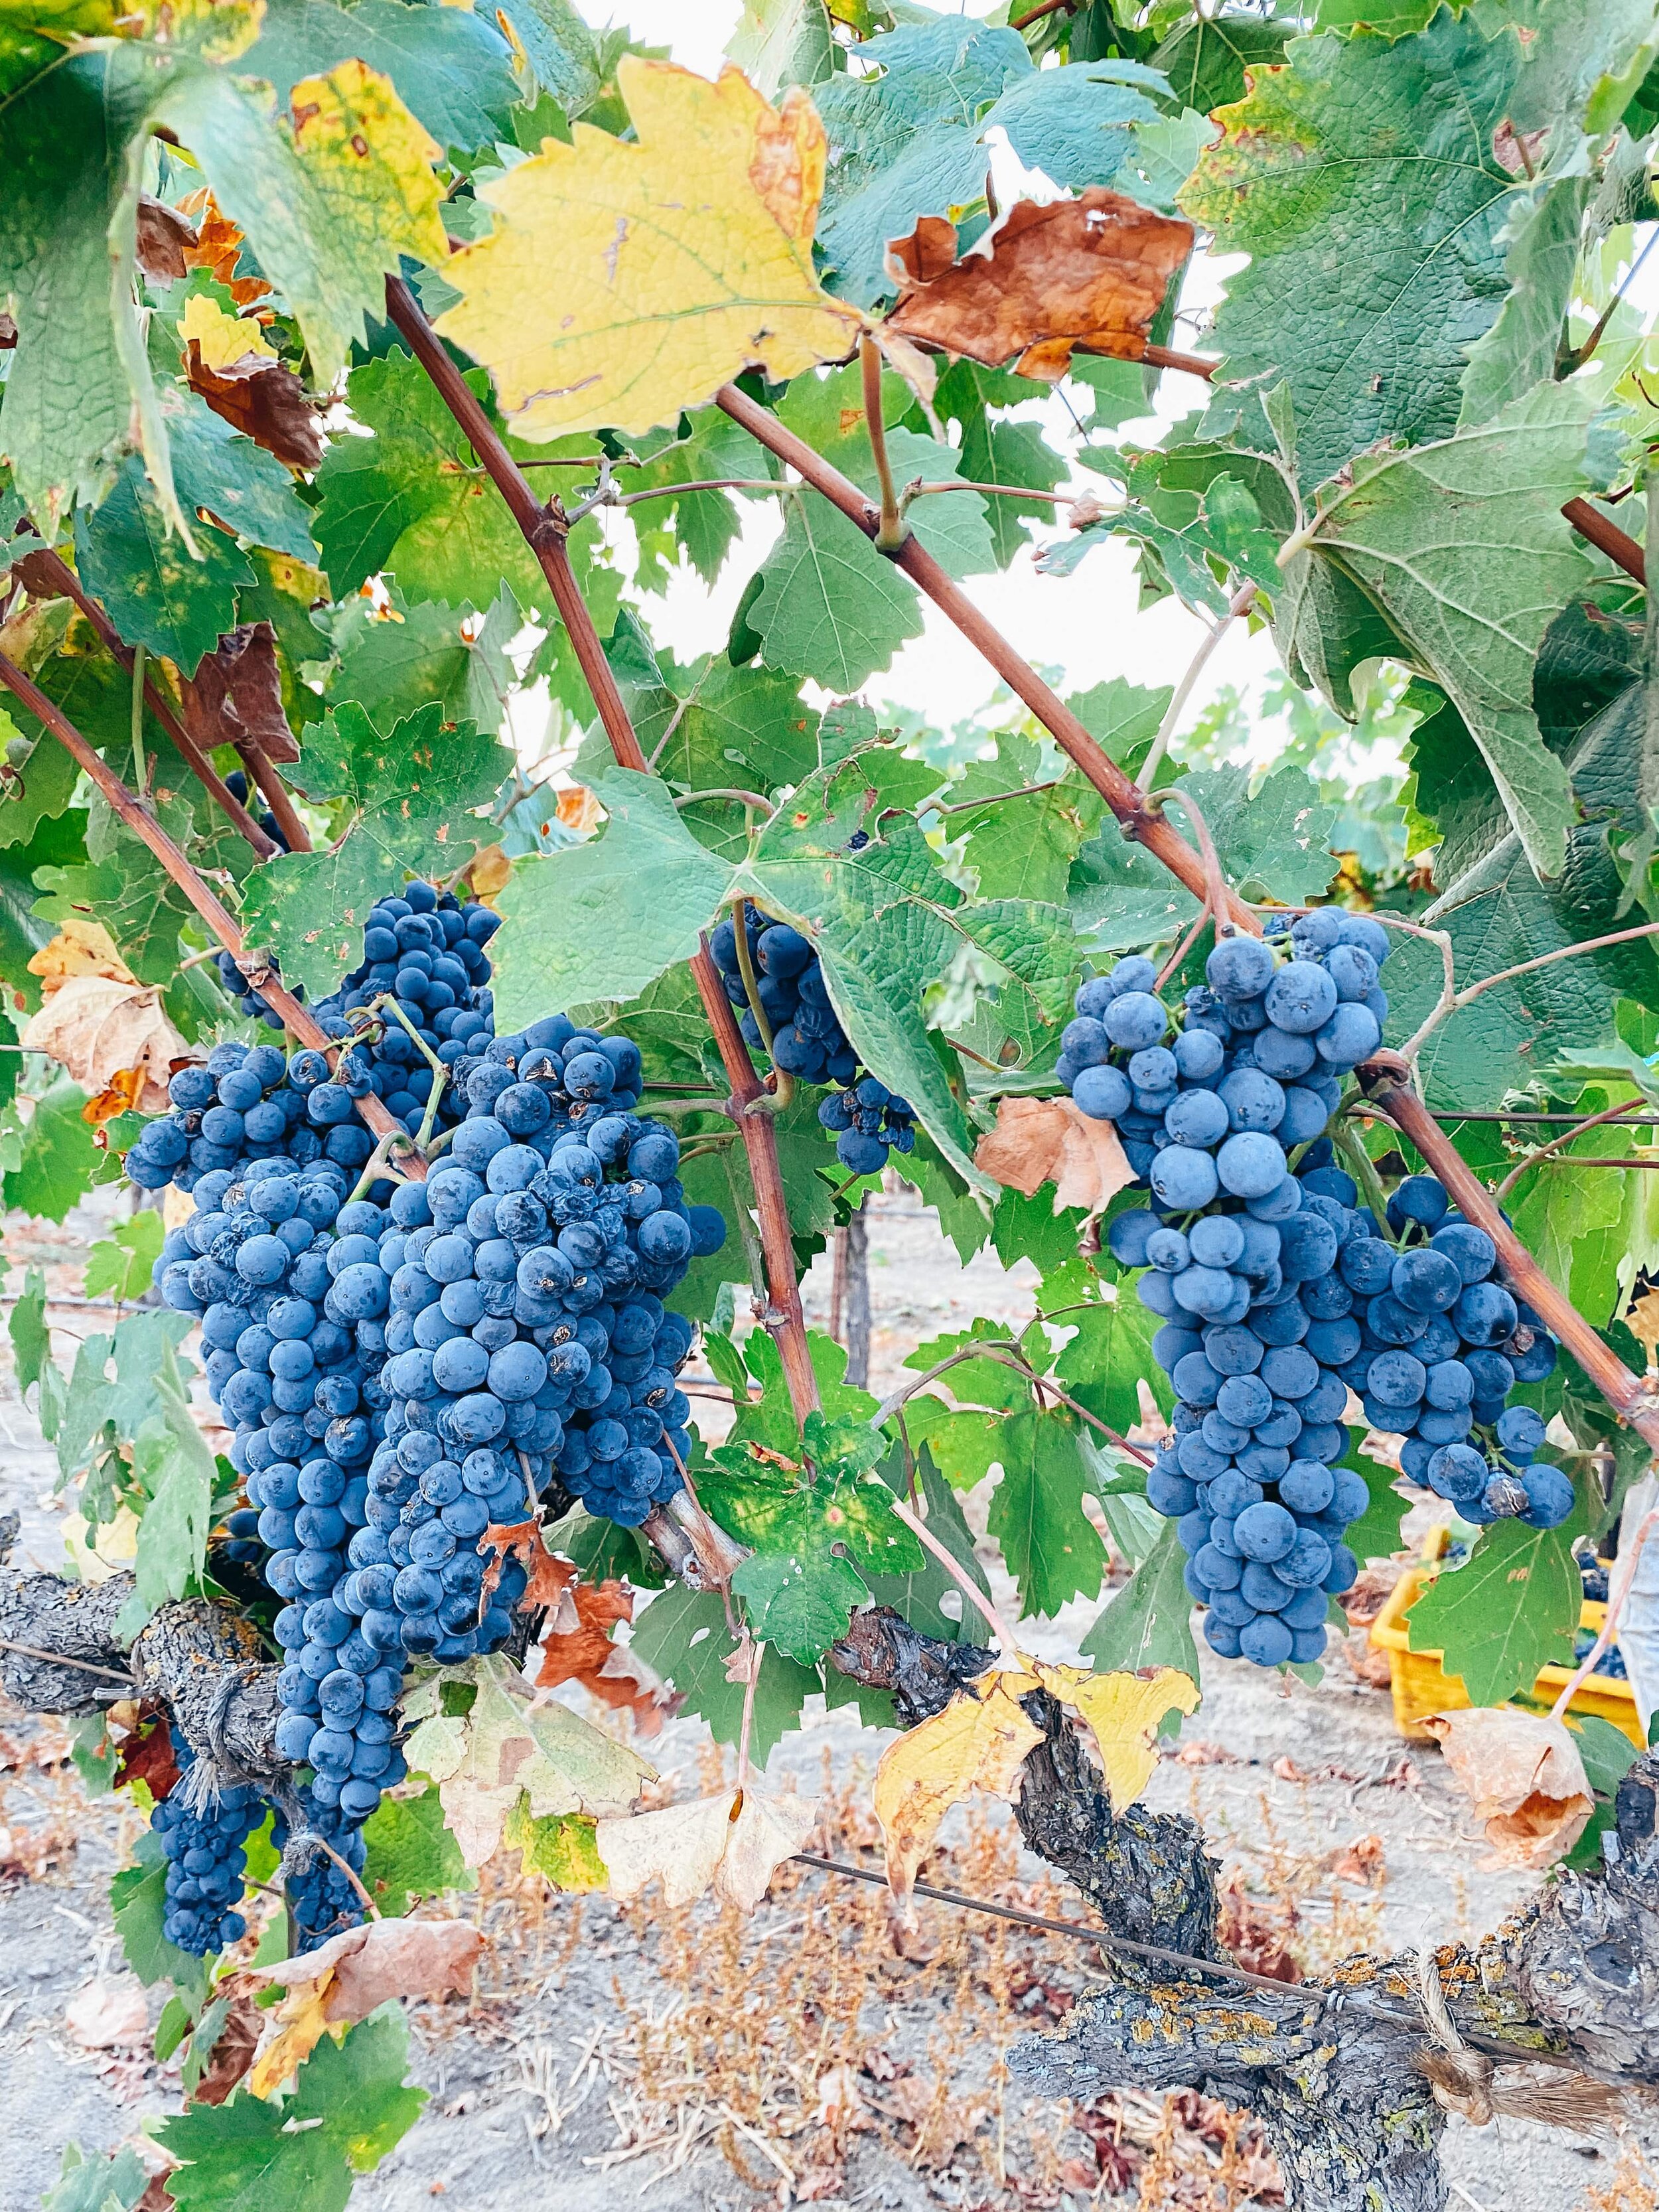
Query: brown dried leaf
(265,400)
(235,697)
(550,1577)
(1090,272)
(1255,1934)
(682,1845)
(234,2047)
(98,1029)
(146,1754)
(576,1647)
(1522,1774)
(766,1831)
(1038,1141)
(344,1980)
(1643,1323)
(164,236)
(108,2012)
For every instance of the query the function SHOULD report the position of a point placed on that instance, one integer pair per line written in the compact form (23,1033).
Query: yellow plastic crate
(1421,1685)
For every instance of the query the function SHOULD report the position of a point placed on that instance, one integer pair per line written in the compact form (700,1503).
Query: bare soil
(822,2052)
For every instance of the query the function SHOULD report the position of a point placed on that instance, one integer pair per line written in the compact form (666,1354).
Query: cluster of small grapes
(808,1040)
(319,1895)
(528,1331)
(205,1862)
(1454,1342)
(872,1121)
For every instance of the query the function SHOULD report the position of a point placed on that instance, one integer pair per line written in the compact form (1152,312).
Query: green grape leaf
(329,202)
(394,660)
(1206,58)
(1375,1534)
(129,1399)
(412,501)
(137,1897)
(1149,1622)
(1572,1221)
(1522,347)
(1015,455)
(31,1338)
(38,787)
(1104,1365)
(1498,915)
(706,523)
(451,68)
(1273,843)
(1381,18)
(829,606)
(926,1596)
(809,1534)
(603,919)
(120,1263)
(1125,717)
(174,1474)
(682,1635)
(158,593)
(411,1854)
(560,49)
(1440,538)
(1049,1545)
(349,2106)
(412,792)
(779,43)
(97,2184)
(58,1163)
(1510,1609)
(23,930)
(744,728)
(1361,179)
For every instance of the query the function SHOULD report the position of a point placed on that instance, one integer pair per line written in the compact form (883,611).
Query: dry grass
(1632,2186)
(791,2041)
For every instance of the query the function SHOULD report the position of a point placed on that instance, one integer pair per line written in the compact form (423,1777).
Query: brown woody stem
(1125,799)
(545,530)
(51,570)
(143,825)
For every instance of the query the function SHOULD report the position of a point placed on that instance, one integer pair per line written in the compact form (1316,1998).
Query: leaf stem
(959,1575)
(1241,603)
(727,791)
(892,528)
(140,771)
(1125,799)
(1567,1137)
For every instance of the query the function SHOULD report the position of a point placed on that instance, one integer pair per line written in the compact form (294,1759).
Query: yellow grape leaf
(562,1847)
(1124,1712)
(345,1979)
(484,1760)
(369,164)
(1642,1321)
(101,1031)
(304,2024)
(81,947)
(622,283)
(978,1742)
(224,339)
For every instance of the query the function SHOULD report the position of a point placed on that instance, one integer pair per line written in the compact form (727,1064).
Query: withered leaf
(1523,1776)
(1038,1141)
(343,1980)
(265,400)
(1090,272)
(101,1031)
(235,697)
(164,236)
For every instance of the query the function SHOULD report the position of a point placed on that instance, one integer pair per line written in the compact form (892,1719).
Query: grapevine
(473,1102)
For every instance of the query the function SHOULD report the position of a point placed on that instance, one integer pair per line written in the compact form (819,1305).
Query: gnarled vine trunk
(1342,2071)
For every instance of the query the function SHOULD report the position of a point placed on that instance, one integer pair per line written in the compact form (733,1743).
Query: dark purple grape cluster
(871,1121)
(528,1331)
(1279,1293)
(808,1040)
(1458,1344)
(205,1860)
(320,1896)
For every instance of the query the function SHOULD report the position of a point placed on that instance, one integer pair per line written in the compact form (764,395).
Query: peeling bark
(201,1660)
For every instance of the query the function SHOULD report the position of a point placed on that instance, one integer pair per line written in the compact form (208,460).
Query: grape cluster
(319,1897)
(872,1121)
(808,1040)
(205,1861)
(424,948)
(528,1329)
(1277,1290)
(1455,1342)
(236,784)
